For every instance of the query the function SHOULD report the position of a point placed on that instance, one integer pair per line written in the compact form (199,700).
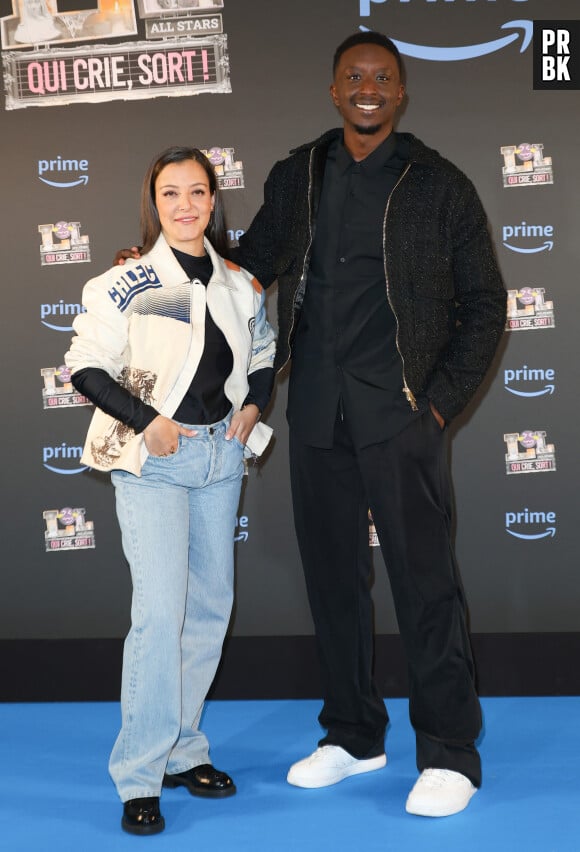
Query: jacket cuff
(261,383)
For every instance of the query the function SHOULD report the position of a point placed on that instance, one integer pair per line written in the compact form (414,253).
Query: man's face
(367,89)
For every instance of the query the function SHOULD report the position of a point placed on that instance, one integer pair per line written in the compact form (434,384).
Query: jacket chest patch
(133,282)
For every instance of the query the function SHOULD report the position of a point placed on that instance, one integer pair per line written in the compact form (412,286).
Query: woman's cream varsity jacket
(144,325)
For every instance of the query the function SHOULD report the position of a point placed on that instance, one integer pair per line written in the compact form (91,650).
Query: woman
(175,351)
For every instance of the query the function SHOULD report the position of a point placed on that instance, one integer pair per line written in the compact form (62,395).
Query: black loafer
(203,780)
(142,816)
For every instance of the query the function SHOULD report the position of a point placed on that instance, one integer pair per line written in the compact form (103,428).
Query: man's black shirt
(344,354)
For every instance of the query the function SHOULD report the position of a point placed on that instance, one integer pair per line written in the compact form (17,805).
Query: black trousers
(405,482)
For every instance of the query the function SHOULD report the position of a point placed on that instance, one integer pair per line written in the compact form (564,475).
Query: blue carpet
(56,795)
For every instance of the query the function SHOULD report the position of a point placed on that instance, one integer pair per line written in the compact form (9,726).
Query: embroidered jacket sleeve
(261,368)
(113,399)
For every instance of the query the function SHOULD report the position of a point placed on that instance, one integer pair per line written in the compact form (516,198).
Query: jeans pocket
(167,457)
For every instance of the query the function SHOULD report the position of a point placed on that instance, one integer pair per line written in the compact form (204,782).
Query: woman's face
(184,203)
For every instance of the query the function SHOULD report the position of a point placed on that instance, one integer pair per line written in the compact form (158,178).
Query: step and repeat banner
(93,89)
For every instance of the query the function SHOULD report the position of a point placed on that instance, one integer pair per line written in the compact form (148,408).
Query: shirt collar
(373,163)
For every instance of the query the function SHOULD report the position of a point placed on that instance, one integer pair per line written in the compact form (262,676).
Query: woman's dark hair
(150,224)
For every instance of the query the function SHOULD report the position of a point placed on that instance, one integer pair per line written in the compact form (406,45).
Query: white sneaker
(439,793)
(330,764)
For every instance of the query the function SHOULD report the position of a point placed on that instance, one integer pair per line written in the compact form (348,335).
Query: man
(391,307)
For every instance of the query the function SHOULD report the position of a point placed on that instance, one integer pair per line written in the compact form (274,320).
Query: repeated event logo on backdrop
(184,52)
(63,173)
(529,381)
(62,242)
(528,239)
(234,235)
(513,32)
(525,165)
(242,532)
(58,390)
(229,171)
(529,452)
(530,525)
(68,529)
(62,312)
(528,309)
(62,459)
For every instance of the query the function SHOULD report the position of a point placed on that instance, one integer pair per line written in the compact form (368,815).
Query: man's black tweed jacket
(441,276)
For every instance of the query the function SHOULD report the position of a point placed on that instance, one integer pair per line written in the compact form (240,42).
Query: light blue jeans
(177,522)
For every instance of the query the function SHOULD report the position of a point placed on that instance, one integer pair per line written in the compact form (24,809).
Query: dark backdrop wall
(91,94)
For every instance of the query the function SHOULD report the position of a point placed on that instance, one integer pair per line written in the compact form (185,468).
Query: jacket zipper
(306,258)
(406,389)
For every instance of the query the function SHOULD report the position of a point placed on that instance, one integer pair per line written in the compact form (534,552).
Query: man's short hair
(367,37)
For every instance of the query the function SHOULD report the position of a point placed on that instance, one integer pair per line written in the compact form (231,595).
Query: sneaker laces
(438,777)
(321,752)
(312,758)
